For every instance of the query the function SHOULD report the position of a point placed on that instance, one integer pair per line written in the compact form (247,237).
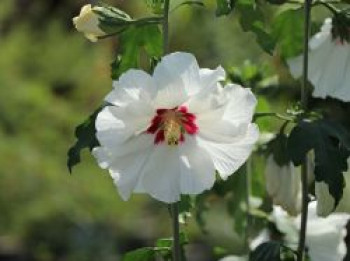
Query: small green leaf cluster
(162,248)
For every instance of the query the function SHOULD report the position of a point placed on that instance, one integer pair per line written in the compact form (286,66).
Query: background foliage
(51,78)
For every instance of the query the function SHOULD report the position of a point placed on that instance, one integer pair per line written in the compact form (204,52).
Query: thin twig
(304,104)
(166,27)
(247,199)
(258,115)
(176,232)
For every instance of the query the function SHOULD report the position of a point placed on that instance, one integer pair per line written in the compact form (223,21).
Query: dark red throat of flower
(171,125)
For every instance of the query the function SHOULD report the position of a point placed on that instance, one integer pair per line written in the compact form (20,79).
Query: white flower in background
(283,185)
(88,23)
(325,201)
(329,64)
(166,134)
(324,236)
(234,258)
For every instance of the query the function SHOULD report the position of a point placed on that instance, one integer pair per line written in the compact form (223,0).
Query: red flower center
(170,125)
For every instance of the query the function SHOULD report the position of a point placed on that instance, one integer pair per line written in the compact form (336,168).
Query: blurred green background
(51,78)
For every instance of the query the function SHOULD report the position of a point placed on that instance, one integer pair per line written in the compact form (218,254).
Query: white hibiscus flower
(329,64)
(166,134)
(324,236)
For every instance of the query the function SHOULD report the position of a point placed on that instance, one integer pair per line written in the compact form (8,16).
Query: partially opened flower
(166,134)
(283,185)
(329,63)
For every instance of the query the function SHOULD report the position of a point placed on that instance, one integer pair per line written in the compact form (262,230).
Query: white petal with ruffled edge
(177,78)
(133,85)
(228,157)
(114,125)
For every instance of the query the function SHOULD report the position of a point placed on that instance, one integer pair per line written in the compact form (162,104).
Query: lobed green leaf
(269,251)
(86,138)
(331,146)
(132,41)
(141,254)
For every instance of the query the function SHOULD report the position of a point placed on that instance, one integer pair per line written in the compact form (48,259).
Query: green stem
(176,232)
(258,115)
(247,199)
(166,27)
(328,5)
(304,104)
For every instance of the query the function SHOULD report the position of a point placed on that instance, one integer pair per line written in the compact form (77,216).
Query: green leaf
(112,20)
(224,7)
(132,41)
(331,146)
(287,30)
(86,138)
(156,6)
(269,251)
(168,242)
(201,206)
(141,254)
(186,203)
(278,148)
(252,20)
(164,246)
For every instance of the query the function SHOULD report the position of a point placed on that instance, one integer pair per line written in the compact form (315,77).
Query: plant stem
(247,199)
(176,232)
(166,27)
(304,104)
(258,115)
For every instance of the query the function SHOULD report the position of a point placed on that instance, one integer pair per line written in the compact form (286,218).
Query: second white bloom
(329,66)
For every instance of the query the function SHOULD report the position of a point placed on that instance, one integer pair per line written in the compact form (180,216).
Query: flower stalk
(304,104)
(176,232)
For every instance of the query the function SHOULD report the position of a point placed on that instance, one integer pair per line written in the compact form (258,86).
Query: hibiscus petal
(241,106)
(160,175)
(197,168)
(209,78)
(133,85)
(177,77)
(114,124)
(125,162)
(228,157)
(325,236)
(232,103)
(342,92)
(333,71)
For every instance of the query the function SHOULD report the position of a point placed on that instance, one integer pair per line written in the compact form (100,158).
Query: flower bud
(283,185)
(99,21)
(88,23)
